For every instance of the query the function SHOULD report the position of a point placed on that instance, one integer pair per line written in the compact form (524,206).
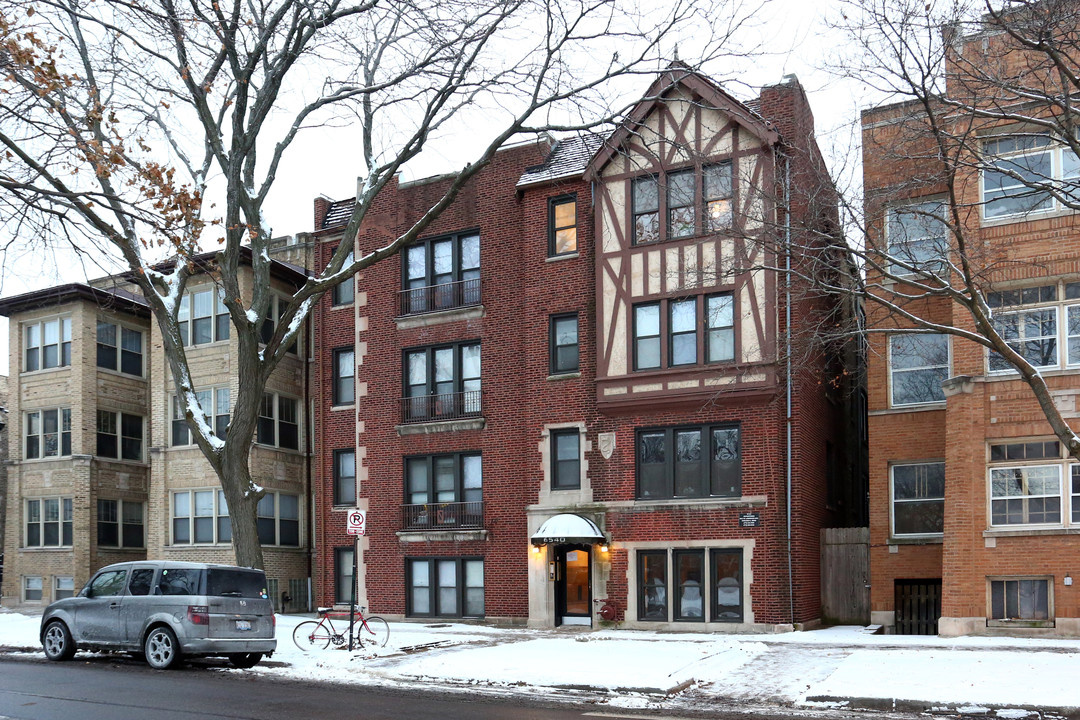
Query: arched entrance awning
(568,528)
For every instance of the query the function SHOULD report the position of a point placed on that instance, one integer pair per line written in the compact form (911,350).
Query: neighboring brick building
(102,470)
(561,395)
(974,504)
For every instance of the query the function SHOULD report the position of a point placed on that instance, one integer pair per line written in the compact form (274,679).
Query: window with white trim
(47,344)
(917,238)
(1020,599)
(203,317)
(1038,322)
(1021,173)
(274,310)
(918,363)
(63,587)
(119,348)
(200,517)
(119,435)
(32,588)
(214,400)
(120,523)
(279,422)
(918,499)
(48,522)
(1027,486)
(47,433)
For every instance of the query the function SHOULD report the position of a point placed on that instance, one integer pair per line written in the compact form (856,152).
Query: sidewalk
(838,668)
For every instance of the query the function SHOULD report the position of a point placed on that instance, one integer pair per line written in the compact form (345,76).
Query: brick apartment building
(102,465)
(573,389)
(975,505)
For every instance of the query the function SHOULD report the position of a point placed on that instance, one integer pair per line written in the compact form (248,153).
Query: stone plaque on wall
(607,444)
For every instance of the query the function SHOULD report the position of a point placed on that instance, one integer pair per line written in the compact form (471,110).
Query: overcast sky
(793,33)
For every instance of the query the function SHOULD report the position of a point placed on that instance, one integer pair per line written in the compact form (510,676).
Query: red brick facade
(523,401)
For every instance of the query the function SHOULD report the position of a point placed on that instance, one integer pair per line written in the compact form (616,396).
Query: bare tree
(119,119)
(977,128)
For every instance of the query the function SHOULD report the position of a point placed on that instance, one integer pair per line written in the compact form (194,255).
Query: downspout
(787,344)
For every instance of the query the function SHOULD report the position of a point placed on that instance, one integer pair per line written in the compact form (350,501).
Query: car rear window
(236,583)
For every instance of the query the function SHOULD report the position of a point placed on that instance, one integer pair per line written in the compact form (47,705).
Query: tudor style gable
(684,208)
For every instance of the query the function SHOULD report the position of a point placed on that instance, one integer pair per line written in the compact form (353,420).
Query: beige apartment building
(103,467)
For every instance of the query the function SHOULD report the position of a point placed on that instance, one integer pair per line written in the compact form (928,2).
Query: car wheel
(161,648)
(245,660)
(57,641)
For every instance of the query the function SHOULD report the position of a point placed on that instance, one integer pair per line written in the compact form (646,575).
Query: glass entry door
(573,593)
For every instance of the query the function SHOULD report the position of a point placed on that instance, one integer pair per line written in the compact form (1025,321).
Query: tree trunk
(236,484)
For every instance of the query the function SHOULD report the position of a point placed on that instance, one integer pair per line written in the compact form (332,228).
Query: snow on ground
(632,669)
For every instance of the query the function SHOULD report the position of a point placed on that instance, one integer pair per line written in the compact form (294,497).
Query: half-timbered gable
(684,210)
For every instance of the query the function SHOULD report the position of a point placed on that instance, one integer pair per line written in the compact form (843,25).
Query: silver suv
(163,610)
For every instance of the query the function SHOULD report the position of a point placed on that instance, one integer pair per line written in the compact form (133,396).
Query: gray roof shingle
(338,213)
(568,158)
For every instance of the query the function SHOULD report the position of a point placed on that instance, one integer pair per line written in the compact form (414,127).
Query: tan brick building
(103,467)
(974,503)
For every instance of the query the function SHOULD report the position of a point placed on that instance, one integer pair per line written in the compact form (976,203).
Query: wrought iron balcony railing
(449,406)
(445,296)
(442,516)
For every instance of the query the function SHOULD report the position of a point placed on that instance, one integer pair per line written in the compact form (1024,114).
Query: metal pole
(352,601)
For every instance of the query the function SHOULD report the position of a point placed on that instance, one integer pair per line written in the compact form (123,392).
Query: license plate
(243,624)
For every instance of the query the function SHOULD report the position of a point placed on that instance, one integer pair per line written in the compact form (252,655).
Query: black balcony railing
(445,296)
(449,406)
(442,516)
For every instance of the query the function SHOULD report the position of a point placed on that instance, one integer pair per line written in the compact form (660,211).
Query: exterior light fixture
(604,548)
(536,549)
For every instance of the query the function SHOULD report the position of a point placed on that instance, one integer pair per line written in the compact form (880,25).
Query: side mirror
(88,592)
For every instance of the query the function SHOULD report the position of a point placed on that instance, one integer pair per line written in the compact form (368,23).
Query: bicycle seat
(323,610)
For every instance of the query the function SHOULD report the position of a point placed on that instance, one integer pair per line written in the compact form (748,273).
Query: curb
(920,707)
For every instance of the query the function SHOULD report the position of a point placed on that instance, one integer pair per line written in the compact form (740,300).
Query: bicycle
(318,635)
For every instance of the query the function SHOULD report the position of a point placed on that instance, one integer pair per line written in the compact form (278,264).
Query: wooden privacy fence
(845,575)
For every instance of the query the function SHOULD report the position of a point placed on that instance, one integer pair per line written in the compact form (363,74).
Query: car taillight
(198,614)
(273,616)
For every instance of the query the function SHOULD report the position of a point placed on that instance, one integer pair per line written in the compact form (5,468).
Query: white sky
(325,161)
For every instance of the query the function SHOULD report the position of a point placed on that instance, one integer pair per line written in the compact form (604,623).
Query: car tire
(245,660)
(57,641)
(161,648)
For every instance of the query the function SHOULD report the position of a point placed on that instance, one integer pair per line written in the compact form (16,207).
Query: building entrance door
(573,590)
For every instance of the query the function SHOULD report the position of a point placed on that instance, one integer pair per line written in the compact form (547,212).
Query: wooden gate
(845,576)
(918,606)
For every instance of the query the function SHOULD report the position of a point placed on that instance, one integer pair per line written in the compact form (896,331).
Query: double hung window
(120,523)
(47,344)
(279,422)
(1021,173)
(441,274)
(689,462)
(63,587)
(278,519)
(119,348)
(918,364)
(563,341)
(345,477)
(119,435)
(562,225)
(1028,321)
(215,404)
(918,239)
(565,459)
(344,379)
(1031,483)
(686,321)
(695,202)
(442,382)
(48,433)
(32,585)
(344,291)
(444,587)
(200,517)
(344,578)
(203,317)
(48,522)
(274,310)
(918,499)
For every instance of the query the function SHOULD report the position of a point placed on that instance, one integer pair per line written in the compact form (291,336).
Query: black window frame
(643,586)
(555,435)
(339,574)
(461,493)
(713,569)
(554,347)
(431,383)
(344,293)
(338,394)
(433,586)
(341,498)
(709,329)
(670,199)
(117,520)
(457,272)
(635,213)
(676,584)
(707,224)
(705,478)
(636,339)
(554,229)
(123,360)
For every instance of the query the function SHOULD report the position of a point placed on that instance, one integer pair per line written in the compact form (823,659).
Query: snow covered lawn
(635,669)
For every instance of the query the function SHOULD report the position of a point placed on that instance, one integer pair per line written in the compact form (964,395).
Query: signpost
(356,525)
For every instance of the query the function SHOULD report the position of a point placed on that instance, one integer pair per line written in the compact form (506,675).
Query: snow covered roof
(568,528)
(568,158)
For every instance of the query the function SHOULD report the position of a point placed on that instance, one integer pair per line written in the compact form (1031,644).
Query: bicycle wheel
(374,631)
(311,635)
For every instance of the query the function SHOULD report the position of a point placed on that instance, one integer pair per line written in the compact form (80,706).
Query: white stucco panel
(672,277)
(611,218)
(653,257)
(752,192)
(713,124)
(751,347)
(637,275)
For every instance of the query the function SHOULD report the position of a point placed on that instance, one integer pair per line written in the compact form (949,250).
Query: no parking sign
(357,523)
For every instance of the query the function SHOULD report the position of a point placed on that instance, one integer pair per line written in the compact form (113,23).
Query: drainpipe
(787,343)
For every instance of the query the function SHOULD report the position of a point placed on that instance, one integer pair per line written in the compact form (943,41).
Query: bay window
(48,433)
(48,522)
(918,364)
(47,344)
